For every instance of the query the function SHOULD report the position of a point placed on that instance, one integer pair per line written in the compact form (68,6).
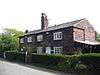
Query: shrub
(64,63)
(69,63)
(2,54)
(81,67)
(92,60)
(46,59)
(15,56)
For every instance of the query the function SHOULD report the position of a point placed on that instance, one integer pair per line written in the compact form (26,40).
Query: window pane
(57,50)
(29,39)
(57,35)
(39,37)
(39,50)
(22,40)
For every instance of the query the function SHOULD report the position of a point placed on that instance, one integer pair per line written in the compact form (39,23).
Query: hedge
(92,61)
(15,56)
(2,54)
(69,63)
(66,63)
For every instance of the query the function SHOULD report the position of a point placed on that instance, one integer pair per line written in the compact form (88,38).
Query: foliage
(67,63)
(92,60)
(46,59)
(1,55)
(64,63)
(98,37)
(80,67)
(9,39)
(15,56)
(34,50)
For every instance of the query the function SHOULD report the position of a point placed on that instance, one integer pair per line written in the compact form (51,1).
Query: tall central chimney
(44,21)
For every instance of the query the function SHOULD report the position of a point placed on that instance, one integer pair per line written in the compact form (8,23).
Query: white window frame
(39,50)
(48,50)
(29,39)
(22,40)
(58,50)
(39,37)
(57,35)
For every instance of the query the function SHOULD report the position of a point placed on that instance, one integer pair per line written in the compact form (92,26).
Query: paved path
(8,68)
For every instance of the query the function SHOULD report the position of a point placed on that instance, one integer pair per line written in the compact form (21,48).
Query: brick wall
(89,30)
(78,34)
(66,42)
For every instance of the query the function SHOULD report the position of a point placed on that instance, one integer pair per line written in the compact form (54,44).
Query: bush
(69,63)
(92,60)
(64,63)
(80,67)
(2,54)
(46,59)
(15,56)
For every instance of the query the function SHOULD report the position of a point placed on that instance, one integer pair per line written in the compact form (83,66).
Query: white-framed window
(58,50)
(52,52)
(22,40)
(48,50)
(39,37)
(29,39)
(39,50)
(57,35)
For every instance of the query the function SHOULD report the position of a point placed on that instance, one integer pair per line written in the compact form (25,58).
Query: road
(9,68)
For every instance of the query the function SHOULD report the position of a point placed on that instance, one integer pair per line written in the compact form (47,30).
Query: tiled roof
(63,25)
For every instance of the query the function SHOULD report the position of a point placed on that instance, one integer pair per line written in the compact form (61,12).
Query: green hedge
(1,55)
(15,56)
(92,61)
(69,63)
(66,63)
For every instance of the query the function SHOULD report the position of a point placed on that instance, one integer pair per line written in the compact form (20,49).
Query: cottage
(64,38)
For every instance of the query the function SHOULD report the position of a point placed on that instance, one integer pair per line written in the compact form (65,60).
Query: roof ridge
(67,22)
(62,25)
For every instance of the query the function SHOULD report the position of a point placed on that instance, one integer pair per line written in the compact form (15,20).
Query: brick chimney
(44,21)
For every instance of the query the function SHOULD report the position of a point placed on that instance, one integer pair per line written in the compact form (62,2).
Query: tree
(98,37)
(9,40)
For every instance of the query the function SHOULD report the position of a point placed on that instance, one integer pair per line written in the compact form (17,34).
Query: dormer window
(39,37)
(57,35)
(29,39)
(22,40)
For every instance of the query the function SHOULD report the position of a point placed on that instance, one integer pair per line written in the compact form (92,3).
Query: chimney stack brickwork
(44,21)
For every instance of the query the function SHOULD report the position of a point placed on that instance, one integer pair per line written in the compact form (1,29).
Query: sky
(26,14)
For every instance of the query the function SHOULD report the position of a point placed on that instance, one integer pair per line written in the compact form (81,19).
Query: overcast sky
(26,14)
